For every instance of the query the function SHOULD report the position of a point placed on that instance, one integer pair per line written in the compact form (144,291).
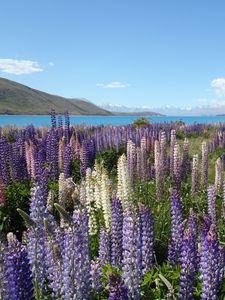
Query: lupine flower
(106,199)
(204,178)
(147,238)
(2,193)
(209,265)
(158,172)
(177,165)
(177,228)
(143,158)
(188,262)
(218,174)
(117,232)
(131,160)
(163,156)
(123,186)
(104,247)
(212,203)
(172,145)
(76,281)
(117,291)
(185,161)
(194,182)
(96,275)
(131,252)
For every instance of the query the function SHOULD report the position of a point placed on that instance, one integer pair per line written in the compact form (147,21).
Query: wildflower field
(112,212)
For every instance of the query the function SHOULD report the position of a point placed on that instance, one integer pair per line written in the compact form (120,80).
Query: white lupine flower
(90,202)
(123,181)
(106,199)
(96,175)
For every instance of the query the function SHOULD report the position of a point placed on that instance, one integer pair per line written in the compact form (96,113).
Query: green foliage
(140,122)
(109,158)
(75,171)
(17,196)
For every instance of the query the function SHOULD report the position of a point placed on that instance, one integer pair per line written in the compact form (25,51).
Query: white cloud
(113,85)
(219,86)
(19,67)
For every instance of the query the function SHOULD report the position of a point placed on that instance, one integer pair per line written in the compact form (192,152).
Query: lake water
(22,121)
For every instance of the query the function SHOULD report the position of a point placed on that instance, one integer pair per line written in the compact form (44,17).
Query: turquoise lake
(22,121)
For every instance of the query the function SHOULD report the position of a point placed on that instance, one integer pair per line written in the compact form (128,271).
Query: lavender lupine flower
(212,203)
(4,291)
(53,118)
(221,264)
(117,232)
(67,127)
(147,238)
(52,153)
(189,257)
(131,252)
(53,247)
(158,172)
(76,281)
(138,162)
(4,160)
(117,291)
(204,177)
(194,182)
(96,275)
(209,265)
(218,174)
(177,228)
(36,235)
(2,193)
(104,247)
(17,272)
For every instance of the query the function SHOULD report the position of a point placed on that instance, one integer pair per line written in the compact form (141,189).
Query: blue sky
(135,53)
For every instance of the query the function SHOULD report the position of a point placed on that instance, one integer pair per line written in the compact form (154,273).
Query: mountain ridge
(19,99)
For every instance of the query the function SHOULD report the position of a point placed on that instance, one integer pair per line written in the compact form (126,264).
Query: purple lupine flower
(117,291)
(177,228)
(4,291)
(209,265)
(116,233)
(104,247)
(189,256)
(96,275)
(53,248)
(52,154)
(17,272)
(221,264)
(204,178)
(212,203)
(2,193)
(76,280)
(67,127)
(147,238)
(4,160)
(194,182)
(131,252)
(36,236)
(158,172)
(53,118)
(26,281)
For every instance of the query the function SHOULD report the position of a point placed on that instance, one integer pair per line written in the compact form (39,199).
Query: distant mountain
(206,110)
(18,99)
(124,110)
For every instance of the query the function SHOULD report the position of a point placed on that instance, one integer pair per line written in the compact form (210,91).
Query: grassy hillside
(19,99)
